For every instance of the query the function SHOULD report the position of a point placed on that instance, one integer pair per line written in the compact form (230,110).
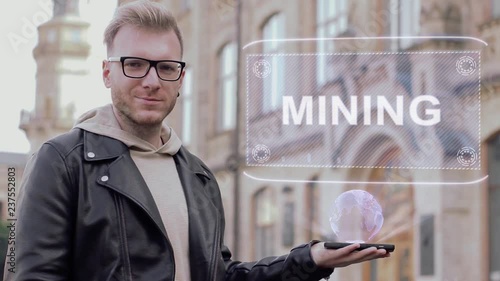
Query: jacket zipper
(123,238)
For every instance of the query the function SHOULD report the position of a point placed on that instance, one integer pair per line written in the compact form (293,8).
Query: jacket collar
(187,161)
(97,147)
(123,176)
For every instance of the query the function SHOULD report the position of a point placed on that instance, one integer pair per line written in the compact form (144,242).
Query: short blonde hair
(142,14)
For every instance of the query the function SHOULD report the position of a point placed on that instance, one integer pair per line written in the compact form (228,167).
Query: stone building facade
(425,221)
(441,231)
(60,56)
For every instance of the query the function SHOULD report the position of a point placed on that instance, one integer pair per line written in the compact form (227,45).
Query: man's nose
(151,80)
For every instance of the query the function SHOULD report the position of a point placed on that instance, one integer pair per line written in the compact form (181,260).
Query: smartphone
(338,245)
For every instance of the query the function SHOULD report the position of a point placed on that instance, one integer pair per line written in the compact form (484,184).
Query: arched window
(331,21)
(404,21)
(288,232)
(264,222)
(495,9)
(311,210)
(226,119)
(274,84)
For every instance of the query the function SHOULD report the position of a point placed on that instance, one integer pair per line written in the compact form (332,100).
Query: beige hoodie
(158,169)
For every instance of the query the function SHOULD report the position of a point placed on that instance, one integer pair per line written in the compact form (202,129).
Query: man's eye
(135,64)
(167,67)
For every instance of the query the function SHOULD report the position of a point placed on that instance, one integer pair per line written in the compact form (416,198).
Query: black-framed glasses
(134,67)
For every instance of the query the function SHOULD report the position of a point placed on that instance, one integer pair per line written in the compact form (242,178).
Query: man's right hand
(329,258)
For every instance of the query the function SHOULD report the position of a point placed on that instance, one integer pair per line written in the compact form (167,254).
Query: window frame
(274,87)
(226,115)
(404,23)
(331,21)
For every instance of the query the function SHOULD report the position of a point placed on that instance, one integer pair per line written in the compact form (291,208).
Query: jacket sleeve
(43,229)
(298,265)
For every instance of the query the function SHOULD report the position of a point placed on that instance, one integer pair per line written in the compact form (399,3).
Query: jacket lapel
(133,187)
(203,216)
(122,174)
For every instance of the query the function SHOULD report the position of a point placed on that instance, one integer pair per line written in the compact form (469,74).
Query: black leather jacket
(85,213)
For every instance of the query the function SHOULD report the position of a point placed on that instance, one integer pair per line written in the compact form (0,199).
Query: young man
(119,198)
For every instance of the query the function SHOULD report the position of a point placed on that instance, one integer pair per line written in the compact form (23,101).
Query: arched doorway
(397,202)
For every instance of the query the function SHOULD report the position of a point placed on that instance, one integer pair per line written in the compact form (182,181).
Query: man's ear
(105,74)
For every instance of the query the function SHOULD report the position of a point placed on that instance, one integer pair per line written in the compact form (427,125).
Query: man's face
(142,101)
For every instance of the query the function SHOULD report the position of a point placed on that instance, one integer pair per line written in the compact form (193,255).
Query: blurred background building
(441,232)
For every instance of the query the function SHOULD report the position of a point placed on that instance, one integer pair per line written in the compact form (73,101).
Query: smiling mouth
(148,99)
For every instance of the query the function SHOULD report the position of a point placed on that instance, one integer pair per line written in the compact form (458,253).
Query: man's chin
(149,120)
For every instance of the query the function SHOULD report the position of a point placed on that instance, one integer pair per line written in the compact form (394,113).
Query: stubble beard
(132,120)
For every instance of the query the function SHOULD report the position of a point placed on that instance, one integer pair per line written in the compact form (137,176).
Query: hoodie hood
(102,121)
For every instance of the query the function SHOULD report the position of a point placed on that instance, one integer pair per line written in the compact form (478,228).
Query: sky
(18,38)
